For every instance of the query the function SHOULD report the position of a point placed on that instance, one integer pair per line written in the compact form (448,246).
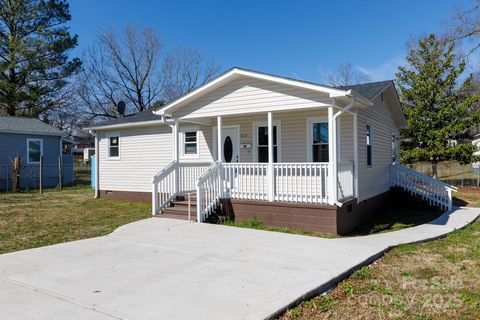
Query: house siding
(143,153)
(251,96)
(375,180)
(12,145)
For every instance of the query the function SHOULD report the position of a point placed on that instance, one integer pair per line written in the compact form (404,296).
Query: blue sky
(301,39)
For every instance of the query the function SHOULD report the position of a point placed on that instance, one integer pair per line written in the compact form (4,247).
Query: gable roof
(364,93)
(235,73)
(23,125)
(369,90)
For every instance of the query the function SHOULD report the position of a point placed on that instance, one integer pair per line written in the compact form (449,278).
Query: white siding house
(273,141)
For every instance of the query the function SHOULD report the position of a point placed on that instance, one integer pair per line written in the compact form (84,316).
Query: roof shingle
(28,126)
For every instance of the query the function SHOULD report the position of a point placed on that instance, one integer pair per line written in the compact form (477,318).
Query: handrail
(164,187)
(438,193)
(414,172)
(209,191)
(168,168)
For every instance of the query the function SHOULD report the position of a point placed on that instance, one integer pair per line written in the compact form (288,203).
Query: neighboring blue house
(28,139)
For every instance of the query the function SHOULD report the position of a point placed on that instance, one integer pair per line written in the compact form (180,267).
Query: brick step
(176,203)
(193,197)
(174,215)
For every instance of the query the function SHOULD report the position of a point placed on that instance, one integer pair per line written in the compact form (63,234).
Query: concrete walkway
(170,269)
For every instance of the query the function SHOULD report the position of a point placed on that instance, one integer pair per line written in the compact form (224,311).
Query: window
(190,143)
(394,149)
(319,142)
(369,145)
(114,147)
(34,150)
(262,144)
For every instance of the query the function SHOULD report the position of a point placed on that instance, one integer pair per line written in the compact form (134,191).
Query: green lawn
(434,280)
(30,219)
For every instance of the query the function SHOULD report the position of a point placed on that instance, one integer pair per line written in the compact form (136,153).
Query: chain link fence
(451,172)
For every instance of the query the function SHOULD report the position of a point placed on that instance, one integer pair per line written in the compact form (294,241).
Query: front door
(230,145)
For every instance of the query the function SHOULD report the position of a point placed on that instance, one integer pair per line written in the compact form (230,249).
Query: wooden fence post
(60,178)
(41,174)
(16,174)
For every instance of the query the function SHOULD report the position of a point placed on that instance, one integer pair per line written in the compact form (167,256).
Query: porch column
(332,190)
(176,149)
(219,139)
(271,182)
(355,154)
(97,169)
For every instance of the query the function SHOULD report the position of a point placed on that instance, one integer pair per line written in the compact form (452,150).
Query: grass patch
(29,219)
(434,280)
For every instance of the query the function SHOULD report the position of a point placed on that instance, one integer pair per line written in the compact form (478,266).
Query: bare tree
(133,66)
(347,75)
(183,70)
(465,25)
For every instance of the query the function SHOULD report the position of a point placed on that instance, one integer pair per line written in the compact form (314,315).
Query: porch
(315,181)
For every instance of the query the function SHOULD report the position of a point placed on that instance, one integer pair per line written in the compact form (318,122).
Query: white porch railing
(246,180)
(209,191)
(176,178)
(436,192)
(301,182)
(189,172)
(163,187)
(345,182)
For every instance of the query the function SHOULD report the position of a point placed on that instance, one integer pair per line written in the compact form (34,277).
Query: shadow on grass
(402,211)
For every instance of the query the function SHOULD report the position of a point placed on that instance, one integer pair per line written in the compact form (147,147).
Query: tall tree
(438,104)
(347,75)
(34,61)
(133,66)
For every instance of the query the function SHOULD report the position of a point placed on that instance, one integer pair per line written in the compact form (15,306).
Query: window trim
(28,150)
(310,122)
(181,142)
(255,125)
(112,135)
(372,145)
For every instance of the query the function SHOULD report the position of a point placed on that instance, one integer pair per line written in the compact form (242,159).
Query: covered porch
(244,167)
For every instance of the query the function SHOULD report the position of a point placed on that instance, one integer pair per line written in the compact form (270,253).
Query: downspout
(334,161)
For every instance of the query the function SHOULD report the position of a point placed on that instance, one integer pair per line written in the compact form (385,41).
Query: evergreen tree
(34,62)
(438,105)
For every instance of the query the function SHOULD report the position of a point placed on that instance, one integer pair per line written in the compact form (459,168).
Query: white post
(450,204)
(271,182)
(154,197)
(176,155)
(219,139)
(355,153)
(331,156)
(220,152)
(199,203)
(97,169)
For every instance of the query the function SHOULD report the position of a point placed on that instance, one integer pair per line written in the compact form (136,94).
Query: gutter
(126,125)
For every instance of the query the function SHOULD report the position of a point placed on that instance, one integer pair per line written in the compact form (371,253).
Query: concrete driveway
(170,269)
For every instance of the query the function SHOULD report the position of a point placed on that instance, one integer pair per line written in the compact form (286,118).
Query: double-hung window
(34,150)
(114,147)
(262,144)
(319,141)
(369,145)
(190,143)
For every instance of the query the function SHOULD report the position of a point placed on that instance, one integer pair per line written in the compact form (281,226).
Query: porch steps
(178,209)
